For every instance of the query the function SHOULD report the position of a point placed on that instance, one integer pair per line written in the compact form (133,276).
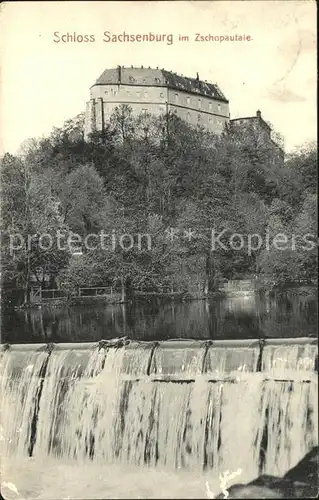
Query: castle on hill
(158,92)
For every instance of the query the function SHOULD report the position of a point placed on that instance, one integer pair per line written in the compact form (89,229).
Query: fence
(96,291)
(38,294)
(42,294)
(46,294)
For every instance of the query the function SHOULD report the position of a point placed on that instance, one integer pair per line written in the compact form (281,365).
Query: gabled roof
(193,85)
(159,77)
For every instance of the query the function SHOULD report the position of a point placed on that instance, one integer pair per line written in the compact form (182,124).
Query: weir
(178,404)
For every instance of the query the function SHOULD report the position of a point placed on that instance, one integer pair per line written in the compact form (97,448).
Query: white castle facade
(158,92)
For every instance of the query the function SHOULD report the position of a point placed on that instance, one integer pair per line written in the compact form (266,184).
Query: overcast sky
(44,83)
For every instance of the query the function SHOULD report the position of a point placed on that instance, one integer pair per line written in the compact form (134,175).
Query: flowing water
(168,405)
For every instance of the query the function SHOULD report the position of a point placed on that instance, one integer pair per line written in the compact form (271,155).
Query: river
(289,314)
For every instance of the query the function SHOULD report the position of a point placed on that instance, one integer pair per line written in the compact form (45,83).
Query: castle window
(210,106)
(218,107)
(129,93)
(138,94)
(188,117)
(106,92)
(162,109)
(199,117)
(132,79)
(157,80)
(144,111)
(176,97)
(161,95)
(145,94)
(199,103)
(188,100)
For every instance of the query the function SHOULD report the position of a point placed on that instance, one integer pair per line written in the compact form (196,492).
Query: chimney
(197,76)
(119,74)
(258,113)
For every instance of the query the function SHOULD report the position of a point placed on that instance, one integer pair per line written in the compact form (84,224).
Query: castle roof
(260,121)
(247,119)
(159,77)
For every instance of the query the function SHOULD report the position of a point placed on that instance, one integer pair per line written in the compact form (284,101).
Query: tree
(83,200)
(305,161)
(122,122)
(31,220)
(143,175)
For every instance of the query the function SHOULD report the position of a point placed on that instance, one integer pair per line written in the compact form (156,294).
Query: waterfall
(165,404)
(280,358)
(20,387)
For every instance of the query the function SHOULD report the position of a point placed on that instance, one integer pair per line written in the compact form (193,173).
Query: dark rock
(251,491)
(275,483)
(288,488)
(306,471)
(300,482)
(117,343)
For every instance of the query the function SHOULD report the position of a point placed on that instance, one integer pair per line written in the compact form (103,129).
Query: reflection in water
(251,316)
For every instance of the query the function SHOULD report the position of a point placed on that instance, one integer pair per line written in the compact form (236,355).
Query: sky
(44,82)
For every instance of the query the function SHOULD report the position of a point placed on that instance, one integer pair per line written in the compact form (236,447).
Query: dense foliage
(142,177)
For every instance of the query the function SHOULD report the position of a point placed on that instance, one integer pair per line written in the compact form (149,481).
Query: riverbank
(233,290)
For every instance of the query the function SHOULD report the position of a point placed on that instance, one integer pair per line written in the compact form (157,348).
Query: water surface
(288,314)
